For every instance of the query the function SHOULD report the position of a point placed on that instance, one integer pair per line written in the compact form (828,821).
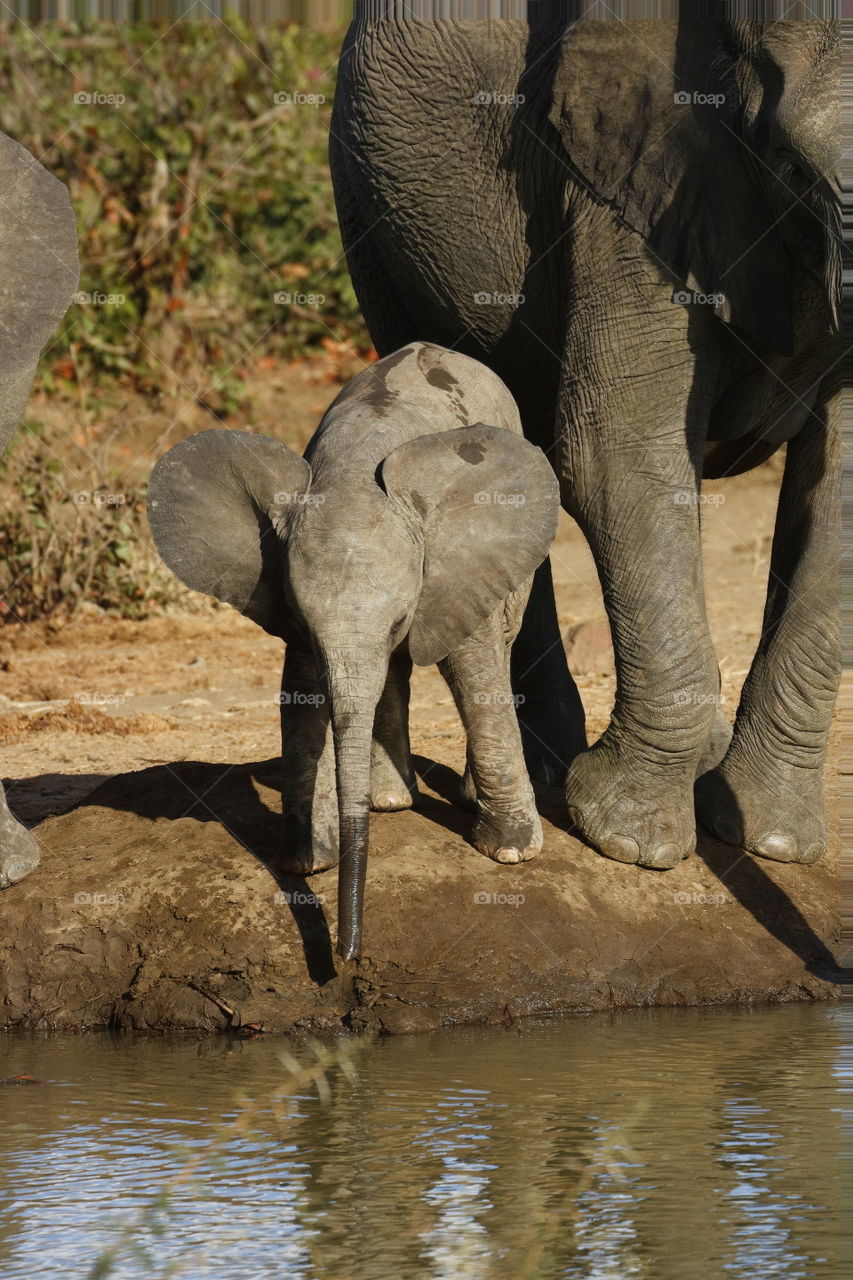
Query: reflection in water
(662,1144)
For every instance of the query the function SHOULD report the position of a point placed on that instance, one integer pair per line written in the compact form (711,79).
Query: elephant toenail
(508,856)
(664,857)
(387,801)
(774,845)
(621,848)
(16,871)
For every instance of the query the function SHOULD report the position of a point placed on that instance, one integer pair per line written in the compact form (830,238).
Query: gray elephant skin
(38,279)
(409,532)
(637,226)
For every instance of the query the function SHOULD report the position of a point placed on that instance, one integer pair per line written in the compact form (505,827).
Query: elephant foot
(631,814)
(390,800)
(508,839)
(779,817)
(390,791)
(19,852)
(307,846)
(718,743)
(551,739)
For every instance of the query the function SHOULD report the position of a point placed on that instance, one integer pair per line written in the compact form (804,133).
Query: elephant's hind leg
(393,784)
(550,711)
(717,744)
(766,795)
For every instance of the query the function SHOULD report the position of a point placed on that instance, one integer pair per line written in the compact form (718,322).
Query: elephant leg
(766,796)
(392,779)
(19,852)
(550,711)
(636,499)
(310,839)
(388,322)
(507,828)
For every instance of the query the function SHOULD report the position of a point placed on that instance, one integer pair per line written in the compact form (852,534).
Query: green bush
(198,197)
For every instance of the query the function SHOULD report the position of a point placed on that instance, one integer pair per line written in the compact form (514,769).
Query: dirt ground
(191,699)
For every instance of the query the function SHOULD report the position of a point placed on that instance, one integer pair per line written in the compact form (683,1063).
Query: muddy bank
(155,907)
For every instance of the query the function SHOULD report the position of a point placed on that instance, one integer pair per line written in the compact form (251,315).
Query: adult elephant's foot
(19,852)
(309,842)
(631,812)
(778,816)
(508,838)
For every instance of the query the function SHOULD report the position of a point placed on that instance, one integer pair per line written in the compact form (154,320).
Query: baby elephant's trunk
(356,677)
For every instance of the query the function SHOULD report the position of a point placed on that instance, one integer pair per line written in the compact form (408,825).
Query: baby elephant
(409,532)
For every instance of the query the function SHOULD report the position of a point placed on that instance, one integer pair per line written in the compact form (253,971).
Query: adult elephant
(38,277)
(637,226)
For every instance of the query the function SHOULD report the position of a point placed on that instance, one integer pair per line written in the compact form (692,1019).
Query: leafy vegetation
(196,159)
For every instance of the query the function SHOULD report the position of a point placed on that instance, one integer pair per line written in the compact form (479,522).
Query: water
(676,1144)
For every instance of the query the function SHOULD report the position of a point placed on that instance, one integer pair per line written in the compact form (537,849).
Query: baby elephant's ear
(488,503)
(212,504)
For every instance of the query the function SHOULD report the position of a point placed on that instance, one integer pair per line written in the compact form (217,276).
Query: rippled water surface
(670,1143)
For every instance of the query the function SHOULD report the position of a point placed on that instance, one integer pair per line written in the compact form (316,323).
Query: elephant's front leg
(19,853)
(635,497)
(766,796)
(309,787)
(309,791)
(508,828)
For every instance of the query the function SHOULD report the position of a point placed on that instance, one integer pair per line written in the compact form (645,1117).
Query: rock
(178,924)
(589,649)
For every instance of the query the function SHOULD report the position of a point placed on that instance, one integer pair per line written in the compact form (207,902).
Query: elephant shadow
(739,873)
(742,875)
(229,795)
